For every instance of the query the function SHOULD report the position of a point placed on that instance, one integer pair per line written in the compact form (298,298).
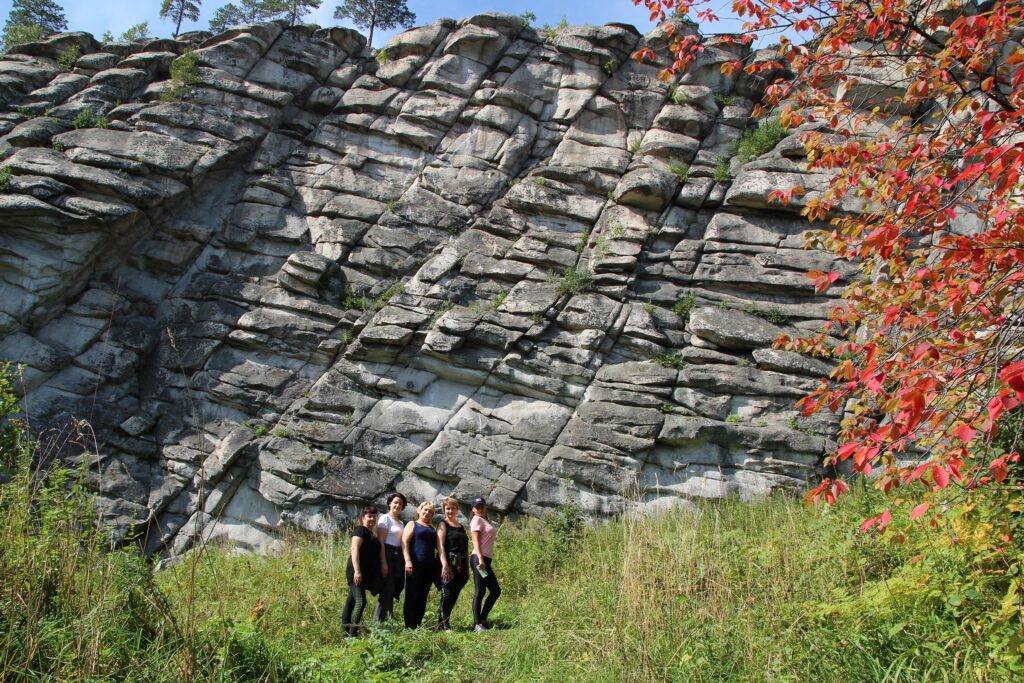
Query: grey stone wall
(325,276)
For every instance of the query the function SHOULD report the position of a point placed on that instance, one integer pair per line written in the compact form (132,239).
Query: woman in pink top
(484,580)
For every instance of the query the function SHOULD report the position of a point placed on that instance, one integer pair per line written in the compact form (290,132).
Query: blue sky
(97,16)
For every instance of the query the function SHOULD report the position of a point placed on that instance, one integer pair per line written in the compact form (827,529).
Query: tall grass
(710,591)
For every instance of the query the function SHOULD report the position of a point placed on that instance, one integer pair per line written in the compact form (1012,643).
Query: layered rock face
(490,261)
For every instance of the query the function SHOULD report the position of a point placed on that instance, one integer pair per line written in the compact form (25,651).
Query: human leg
(479,589)
(352,613)
(493,592)
(392,586)
(417,589)
(450,591)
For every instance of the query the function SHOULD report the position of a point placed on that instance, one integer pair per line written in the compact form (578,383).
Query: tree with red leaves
(916,110)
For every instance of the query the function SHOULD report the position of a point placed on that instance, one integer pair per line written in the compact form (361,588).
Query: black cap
(479,502)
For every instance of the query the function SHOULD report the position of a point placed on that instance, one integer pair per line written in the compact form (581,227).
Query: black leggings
(352,614)
(449,596)
(417,588)
(391,585)
(481,607)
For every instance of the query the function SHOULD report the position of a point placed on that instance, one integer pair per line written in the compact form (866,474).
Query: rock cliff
(488,261)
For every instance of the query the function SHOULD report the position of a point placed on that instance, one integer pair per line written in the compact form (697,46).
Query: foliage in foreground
(716,590)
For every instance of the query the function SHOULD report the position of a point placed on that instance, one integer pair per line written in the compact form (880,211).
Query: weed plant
(573,280)
(721,173)
(760,140)
(184,77)
(68,56)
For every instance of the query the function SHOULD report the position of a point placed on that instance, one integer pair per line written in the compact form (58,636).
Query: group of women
(389,556)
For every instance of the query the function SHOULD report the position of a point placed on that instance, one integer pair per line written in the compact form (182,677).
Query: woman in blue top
(419,545)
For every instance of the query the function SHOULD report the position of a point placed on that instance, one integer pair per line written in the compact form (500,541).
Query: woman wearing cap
(363,569)
(419,545)
(453,544)
(392,567)
(484,580)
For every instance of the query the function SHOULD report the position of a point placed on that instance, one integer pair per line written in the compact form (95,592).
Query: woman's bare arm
(406,538)
(357,577)
(442,534)
(382,535)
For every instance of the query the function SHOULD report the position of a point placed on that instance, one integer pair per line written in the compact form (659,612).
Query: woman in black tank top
(454,542)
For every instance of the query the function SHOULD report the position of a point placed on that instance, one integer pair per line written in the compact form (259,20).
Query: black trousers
(417,588)
(391,585)
(352,613)
(489,585)
(450,591)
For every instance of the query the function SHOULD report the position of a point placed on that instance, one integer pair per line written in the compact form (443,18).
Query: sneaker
(480,628)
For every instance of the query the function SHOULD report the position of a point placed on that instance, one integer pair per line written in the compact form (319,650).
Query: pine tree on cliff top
(294,10)
(371,14)
(245,12)
(179,10)
(32,20)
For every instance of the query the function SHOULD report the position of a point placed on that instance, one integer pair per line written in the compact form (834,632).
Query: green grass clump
(68,56)
(670,359)
(365,303)
(5,178)
(773,314)
(184,77)
(84,119)
(573,280)
(685,306)
(720,173)
(680,171)
(760,140)
(725,100)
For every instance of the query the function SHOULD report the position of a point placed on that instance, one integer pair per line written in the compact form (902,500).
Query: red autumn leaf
(883,521)
(940,475)
(999,469)
(919,510)
(965,432)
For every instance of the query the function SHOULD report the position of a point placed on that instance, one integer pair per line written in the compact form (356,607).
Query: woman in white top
(482,562)
(392,562)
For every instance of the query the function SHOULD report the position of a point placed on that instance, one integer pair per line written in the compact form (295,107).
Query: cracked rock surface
(475,267)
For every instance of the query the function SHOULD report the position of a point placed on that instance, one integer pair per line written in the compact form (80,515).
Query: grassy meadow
(766,591)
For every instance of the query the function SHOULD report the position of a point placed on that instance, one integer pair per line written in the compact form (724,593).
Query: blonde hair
(449,501)
(424,506)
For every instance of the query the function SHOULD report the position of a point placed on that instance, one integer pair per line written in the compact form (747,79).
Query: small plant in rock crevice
(685,306)
(680,171)
(184,77)
(5,178)
(67,58)
(721,173)
(573,280)
(773,315)
(760,140)
(670,359)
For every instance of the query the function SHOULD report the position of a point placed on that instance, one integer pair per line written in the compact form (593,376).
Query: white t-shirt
(394,529)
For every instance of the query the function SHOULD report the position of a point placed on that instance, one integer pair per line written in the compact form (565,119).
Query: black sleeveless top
(455,539)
